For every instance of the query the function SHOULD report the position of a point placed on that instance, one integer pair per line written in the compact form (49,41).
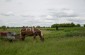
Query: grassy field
(65,41)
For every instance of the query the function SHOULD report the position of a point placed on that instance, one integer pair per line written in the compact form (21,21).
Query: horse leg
(10,40)
(41,37)
(34,36)
(23,37)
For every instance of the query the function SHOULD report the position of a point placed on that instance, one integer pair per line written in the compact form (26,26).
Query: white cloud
(41,12)
(62,13)
(48,16)
(77,20)
(7,14)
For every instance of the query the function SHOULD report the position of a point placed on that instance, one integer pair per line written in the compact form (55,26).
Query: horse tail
(41,34)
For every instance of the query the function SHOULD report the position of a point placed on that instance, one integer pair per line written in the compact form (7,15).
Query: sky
(41,12)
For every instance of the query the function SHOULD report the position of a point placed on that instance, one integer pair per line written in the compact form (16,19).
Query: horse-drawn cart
(8,35)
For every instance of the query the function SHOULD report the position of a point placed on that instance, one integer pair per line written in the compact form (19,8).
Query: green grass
(66,41)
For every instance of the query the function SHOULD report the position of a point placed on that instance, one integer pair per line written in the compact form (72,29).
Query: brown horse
(25,31)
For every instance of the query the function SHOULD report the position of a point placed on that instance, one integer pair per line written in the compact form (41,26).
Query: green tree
(53,26)
(72,24)
(37,26)
(78,25)
(56,27)
(84,25)
(63,25)
(4,27)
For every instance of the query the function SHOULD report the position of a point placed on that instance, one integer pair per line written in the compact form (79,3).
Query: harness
(30,29)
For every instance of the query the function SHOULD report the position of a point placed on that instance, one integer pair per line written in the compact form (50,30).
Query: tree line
(52,26)
(66,25)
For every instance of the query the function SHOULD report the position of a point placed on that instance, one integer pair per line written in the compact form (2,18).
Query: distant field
(65,41)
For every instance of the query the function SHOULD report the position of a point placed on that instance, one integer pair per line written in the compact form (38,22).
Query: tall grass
(57,42)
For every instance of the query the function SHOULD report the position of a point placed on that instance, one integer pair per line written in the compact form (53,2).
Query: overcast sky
(41,12)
